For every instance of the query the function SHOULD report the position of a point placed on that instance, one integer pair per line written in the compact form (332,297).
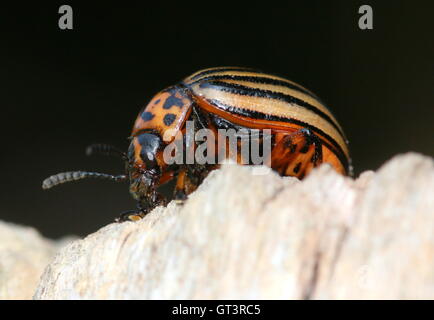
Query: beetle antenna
(64,177)
(105,149)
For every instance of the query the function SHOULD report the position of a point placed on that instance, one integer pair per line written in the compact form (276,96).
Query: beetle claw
(179,202)
(130,215)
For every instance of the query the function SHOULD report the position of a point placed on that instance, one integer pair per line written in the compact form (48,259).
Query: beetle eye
(149,144)
(148,159)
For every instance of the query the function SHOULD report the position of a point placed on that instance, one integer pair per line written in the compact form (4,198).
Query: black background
(62,90)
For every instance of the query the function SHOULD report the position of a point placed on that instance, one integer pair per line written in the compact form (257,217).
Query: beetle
(304,132)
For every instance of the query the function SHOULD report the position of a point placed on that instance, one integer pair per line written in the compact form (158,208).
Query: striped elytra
(252,99)
(304,132)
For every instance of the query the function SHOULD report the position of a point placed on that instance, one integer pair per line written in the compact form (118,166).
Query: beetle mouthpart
(64,177)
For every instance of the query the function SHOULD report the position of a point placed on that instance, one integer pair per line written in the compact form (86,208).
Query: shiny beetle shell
(304,131)
(252,99)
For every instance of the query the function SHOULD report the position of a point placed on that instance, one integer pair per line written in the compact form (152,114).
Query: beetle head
(144,165)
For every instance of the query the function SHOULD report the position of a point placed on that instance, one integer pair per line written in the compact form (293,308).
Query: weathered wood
(23,256)
(249,236)
(246,236)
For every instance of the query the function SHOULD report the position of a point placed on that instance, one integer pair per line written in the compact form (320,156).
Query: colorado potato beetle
(303,132)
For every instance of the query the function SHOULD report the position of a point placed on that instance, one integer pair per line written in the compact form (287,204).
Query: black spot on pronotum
(146,116)
(157,101)
(169,118)
(297,168)
(172,101)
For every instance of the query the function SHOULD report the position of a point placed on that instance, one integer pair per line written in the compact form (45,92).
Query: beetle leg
(188,179)
(143,208)
(180,193)
(130,215)
(133,215)
(293,155)
(312,139)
